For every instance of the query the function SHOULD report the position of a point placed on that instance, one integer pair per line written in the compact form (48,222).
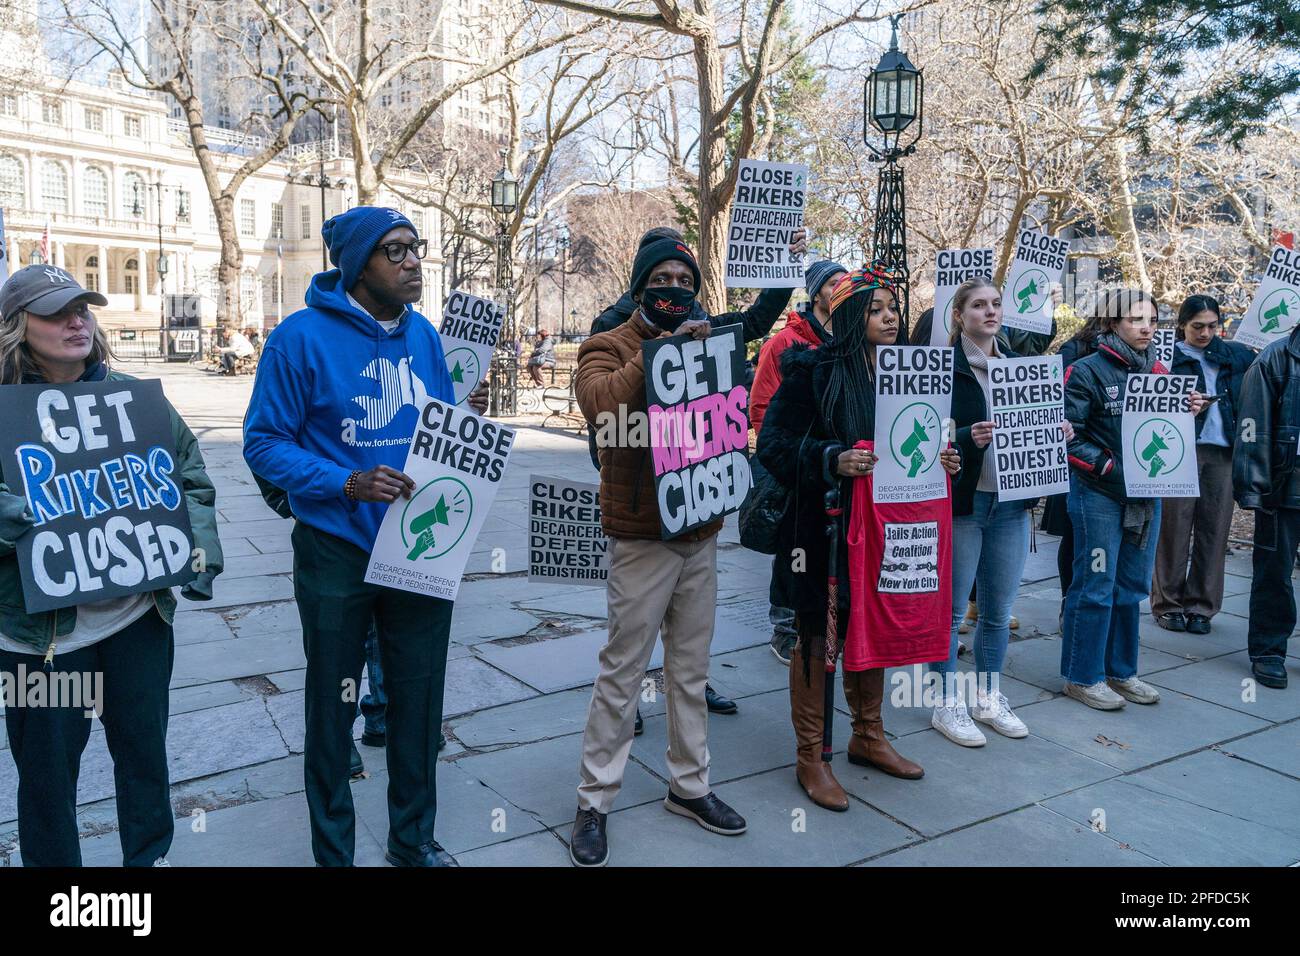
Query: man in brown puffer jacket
(655,586)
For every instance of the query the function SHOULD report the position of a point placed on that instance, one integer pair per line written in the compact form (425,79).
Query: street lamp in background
(505,200)
(564,242)
(324,182)
(891,103)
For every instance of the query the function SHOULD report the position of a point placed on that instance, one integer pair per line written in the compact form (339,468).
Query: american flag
(45,243)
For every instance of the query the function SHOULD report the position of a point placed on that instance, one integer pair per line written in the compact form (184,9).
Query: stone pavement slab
(963,785)
(472,685)
(1180,831)
(1138,736)
(757,738)
(470,815)
(542,778)
(539,718)
(221,660)
(1227,681)
(1277,748)
(1032,836)
(784,829)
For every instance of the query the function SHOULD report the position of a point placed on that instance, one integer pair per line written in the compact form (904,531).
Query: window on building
(404,97)
(94,119)
(94,191)
(52,112)
(54,186)
(8,104)
(91,275)
(212,219)
(304,212)
(11,182)
(247,217)
(417,220)
(132,125)
(131,276)
(134,200)
(182,205)
(277,220)
(385,99)
(248,290)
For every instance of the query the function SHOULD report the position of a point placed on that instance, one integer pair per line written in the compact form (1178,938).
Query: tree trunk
(230,268)
(368,178)
(715,199)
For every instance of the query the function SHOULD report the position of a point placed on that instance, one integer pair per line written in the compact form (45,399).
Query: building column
(60,256)
(101,255)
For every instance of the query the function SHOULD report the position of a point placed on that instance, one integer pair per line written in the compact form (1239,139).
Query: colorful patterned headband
(875,276)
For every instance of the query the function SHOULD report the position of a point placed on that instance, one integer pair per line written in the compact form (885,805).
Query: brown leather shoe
(814,774)
(865,692)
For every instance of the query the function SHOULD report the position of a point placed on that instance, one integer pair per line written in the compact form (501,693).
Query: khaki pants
(655,587)
(1201,524)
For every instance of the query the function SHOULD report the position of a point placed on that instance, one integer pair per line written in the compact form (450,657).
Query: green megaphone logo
(1270,320)
(1151,454)
(911,447)
(1025,296)
(423,527)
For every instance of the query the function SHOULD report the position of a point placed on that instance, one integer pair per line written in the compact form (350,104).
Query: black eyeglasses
(396,251)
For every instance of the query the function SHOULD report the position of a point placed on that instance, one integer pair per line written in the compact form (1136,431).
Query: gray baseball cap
(42,290)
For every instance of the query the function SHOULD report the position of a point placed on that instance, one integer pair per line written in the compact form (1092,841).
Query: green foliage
(1156,42)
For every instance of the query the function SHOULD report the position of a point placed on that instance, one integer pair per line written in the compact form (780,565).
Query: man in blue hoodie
(339,388)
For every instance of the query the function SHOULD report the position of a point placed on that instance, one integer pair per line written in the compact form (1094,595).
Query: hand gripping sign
(96,463)
(699,427)
(457,460)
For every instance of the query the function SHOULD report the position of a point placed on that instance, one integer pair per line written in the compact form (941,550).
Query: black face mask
(667,307)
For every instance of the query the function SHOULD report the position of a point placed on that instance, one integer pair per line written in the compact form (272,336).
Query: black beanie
(653,253)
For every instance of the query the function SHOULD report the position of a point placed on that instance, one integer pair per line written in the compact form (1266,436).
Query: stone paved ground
(1210,776)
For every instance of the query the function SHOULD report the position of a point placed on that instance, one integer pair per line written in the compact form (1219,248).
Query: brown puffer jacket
(610,375)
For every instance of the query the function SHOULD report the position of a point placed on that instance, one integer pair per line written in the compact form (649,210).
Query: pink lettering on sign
(703,428)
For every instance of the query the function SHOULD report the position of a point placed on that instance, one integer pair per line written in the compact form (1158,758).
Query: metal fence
(146,344)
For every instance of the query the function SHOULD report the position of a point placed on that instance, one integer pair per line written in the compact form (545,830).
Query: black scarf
(1138,512)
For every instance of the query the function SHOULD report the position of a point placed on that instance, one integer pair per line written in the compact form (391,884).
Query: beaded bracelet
(350,486)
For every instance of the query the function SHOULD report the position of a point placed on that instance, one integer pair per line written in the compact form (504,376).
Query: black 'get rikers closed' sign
(96,463)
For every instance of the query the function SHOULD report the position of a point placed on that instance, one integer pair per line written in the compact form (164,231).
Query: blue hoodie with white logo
(336,393)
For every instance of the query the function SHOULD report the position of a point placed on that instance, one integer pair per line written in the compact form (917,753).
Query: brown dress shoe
(806,698)
(865,692)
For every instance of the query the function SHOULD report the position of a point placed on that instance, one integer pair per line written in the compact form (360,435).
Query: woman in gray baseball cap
(123,645)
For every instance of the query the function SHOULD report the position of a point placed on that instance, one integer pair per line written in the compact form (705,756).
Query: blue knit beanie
(815,275)
(351,236)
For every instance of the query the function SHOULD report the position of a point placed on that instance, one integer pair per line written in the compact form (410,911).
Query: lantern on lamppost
(892,101)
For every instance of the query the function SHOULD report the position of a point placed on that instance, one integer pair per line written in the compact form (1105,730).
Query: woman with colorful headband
(823,408)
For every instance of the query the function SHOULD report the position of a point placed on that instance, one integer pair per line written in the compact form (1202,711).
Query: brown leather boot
(865,692)
(806,714)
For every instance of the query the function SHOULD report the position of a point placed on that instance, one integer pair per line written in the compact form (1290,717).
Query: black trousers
(1272,596)
(133,667)
(337,606)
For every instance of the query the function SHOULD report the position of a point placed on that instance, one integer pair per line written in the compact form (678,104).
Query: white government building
(111,173)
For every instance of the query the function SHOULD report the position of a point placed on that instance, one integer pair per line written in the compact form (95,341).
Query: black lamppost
(505,200)
(891,103)
(324,182)
(564,241)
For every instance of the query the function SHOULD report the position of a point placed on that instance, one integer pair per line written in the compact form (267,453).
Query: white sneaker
(995,710)
(161,861)
(1138,691)
(1097,696)
(951,719)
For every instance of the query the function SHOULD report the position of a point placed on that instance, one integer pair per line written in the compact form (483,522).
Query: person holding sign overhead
(990,537)
(340,388)
(825,406)
(48,336)
(658,583)
(1186,597)
(1115,534)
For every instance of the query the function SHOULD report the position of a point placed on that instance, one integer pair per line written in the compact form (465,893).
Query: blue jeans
(989,548)
(1112,575)
(374,706)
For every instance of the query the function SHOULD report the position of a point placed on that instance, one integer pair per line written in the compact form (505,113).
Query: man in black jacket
(755,322)
(1265,480)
